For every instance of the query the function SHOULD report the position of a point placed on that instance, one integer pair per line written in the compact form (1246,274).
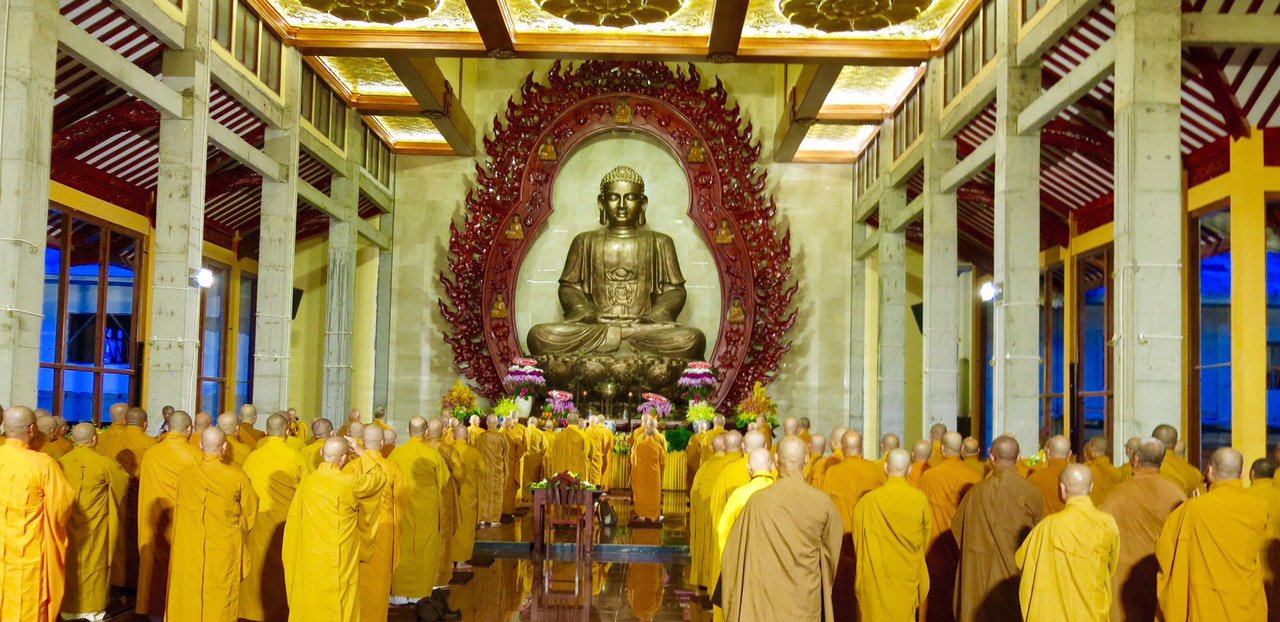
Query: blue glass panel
(45,388)
(77,396)
(214,326)
(115,388)
(211,397)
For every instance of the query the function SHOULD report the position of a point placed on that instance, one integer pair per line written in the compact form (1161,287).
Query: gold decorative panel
(870,85)
(834,20)
(407,15)
(831,138)
(612,13)
(414,130)
(365,76)
(612,17)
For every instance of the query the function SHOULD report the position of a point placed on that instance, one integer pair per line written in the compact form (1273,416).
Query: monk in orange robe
(820,467)
(1208,550)
(203,421)
(645,581)
(37,503)
(127,447)
(1174,467)
(246,432)
(647,460)
(237,450)
(1126,469)
(162,466)
(492,444)
(321,429)
(945,485)
(1058,450)
(570,450)
(1140,506)
(54,430)
(276,470)
(1261,476)
(969,455)
(94,529)
(989,526)
(888,443)
(215,510)
(847,482)
(936,431)
(1097,456)
(515,454)
(817,453)
(117,413)
(920,453)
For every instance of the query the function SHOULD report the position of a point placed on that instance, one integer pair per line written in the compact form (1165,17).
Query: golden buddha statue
(621,290)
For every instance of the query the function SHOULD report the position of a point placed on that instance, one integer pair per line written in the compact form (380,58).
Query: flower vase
(524,405)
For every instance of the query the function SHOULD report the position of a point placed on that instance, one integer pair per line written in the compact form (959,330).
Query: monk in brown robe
(847,482)
(492,444)
(920,453)
(1058,450)
(991,523)
(1097,456)
(945,486)
(1208,549)
(1261,476)
(1175,468)
(791,579)
(1140,506)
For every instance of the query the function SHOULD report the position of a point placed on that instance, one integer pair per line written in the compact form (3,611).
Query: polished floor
(637,573)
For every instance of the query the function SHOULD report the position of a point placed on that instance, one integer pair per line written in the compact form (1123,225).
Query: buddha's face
(623,203)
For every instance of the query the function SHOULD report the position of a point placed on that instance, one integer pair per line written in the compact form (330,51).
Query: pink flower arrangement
(559,403)
(524,378)
(654,405)
(698,382)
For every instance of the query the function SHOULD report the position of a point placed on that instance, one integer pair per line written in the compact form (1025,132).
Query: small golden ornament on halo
(737,315)
(622,112)
(724,233)
(547,152)
(515,231)
(499,309)
(697,154)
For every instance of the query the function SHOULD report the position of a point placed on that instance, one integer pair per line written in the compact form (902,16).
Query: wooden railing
(908,121)
(323,109)
(239,31)
(866,169)
(377,158)
(971,50)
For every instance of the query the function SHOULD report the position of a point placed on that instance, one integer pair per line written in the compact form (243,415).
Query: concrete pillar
(277,236)
(857,332)
(1016,339)
(941,390)
(892,254)
(339,320)
(382,323)
(28,52)
(173,362)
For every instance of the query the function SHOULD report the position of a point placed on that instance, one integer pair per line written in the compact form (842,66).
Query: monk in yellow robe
(693,453)
(468,479)
(322,532)
(162,466)
(1208,549)
(215,510)
(126,447)
(380,419)
(389,441)
(37,504)
(299,432)
(717,429)
(733,475)
(321,430)
(379,521)
(1140,506)
(1069,559)
(535,452)
(817,452)
(117,412)
(450,513)
(602,450)
(1126,469)
(99,485)
(944,485)
(54,431)
(647,460)
(762,425)
(791,578)
(1097,456)
(353,417)
(1058,451)
(803,432)
(989,526)
(936,432)
(237,450)
(246,432)
(202,422)
(920,453)
(1174,467)
(275,469)
(970,452)
(515,469)
(570,450)
(1261,476)
(847,482)
(422,540)
(492,445)
(888,443)
(473,428)
(891,530)
(699,524)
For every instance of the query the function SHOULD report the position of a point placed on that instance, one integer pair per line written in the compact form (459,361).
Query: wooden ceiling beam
(495,27)
(804,102)
(1209,66)
(726,29)
(426,82)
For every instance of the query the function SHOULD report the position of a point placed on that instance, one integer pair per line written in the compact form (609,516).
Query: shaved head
(951,442)
(321,428)
(817,444)
(249,414)
(84,435)
(837,436)
(732,441)
(1004,452)
(759,461)
(897,462)
(355,430)
(1075,481)
(718,443)
(921,451)
(18,422)
(491,422)
(1097,447)
(790,425)
(752,441)
(970,448)
(203,421)
(851,443)
(353,416)
(1131,446)
(180,422)
(1167,435)
(277,425)
(418,426)
(228,423)
(213,441)
(888,443)
(718,421)
(117,412)
(1263,468)
(475,420)
(936,431)
(136,417)
(1149,452)
(1058,447)
(460,433)
(1225,464)
(791,457)
(334,450)
(46,425)
(804,423)
(389,437)
(372,437)
(435,428)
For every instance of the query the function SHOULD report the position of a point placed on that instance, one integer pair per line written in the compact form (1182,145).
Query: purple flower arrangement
(654,405)
(524,378)
(559,404)
(698,382)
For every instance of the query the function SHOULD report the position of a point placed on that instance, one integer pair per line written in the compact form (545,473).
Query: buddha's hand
(654,317)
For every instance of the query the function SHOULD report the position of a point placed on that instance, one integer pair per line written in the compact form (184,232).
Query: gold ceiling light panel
(845,140)
(613,13)
(871,85)
(375,11)
(851,15)
(365,76)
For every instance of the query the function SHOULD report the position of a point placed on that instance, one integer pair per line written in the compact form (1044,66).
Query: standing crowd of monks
(215,519)
(789,532)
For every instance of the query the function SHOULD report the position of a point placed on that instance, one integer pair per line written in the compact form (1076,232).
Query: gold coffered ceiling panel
(447,15)
(612,18)
(829,141)
(861,85)
(873,19)
(365,76)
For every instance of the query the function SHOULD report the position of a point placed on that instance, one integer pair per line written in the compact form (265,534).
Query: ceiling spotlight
(204,278)
(989,291)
